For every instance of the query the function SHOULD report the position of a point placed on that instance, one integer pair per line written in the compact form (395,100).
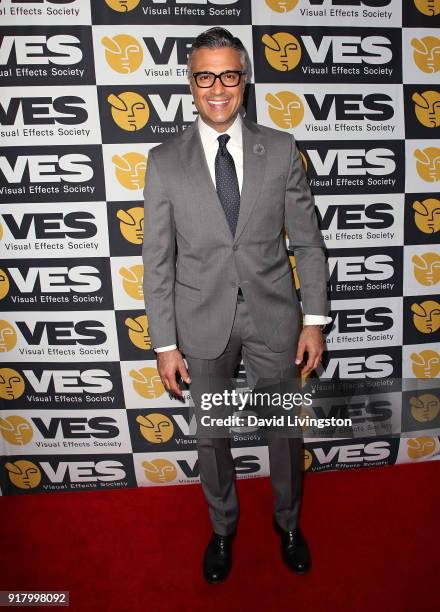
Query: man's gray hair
(216,38)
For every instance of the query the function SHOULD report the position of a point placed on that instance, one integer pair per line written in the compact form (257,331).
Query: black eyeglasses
(228,78)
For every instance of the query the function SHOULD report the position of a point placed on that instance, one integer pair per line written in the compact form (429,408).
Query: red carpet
(374,536)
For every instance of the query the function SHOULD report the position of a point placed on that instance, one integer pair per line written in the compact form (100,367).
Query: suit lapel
(203,189)
(254,166)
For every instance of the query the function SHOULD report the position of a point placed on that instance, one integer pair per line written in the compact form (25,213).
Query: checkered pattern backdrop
(87,89)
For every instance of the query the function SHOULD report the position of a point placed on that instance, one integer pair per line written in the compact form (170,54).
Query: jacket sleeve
(305,238)
(158,255)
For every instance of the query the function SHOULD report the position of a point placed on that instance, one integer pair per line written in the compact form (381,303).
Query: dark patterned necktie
(226,182)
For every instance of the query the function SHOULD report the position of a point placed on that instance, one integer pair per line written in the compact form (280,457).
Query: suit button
(235,247)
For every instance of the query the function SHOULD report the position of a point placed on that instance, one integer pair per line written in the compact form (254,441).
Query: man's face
(217,105)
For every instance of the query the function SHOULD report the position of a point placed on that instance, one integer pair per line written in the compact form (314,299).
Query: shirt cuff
(162,349)
(316,320)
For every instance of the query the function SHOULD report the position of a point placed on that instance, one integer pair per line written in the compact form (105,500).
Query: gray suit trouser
(216,466)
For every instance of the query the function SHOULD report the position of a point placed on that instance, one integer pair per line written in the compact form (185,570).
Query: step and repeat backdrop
(87,89)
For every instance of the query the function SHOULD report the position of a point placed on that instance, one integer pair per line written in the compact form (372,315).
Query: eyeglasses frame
(218,76)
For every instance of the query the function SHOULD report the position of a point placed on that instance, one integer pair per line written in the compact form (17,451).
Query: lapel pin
(259,149)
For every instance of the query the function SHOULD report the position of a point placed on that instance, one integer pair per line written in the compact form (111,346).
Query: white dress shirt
(234,145)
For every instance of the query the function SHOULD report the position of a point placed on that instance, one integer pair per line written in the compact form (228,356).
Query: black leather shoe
(294,549)
(217,561)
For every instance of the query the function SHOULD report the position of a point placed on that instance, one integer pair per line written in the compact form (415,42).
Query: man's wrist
(321,320)
(163,349)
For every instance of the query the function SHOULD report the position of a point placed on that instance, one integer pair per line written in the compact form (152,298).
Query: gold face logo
(426,364)
(132,224)
(427,268)
(431,8)
(282,50)
(426,316)
(4,284)
(11,384)
(295,273)
(130,170)
(427,53)
(427,215)
(132,279)
(122,6)
(155,428)
(425,407)
(420,447)
(138,332)
(427,108)
(281,6)
(285,109)
(123,53)
(8,337)
(159,470)
(308,459)
(147,383)
(16,430)
(428,164)
(129,110)
(23,474)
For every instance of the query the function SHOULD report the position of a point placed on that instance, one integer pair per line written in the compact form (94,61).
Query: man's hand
(169,363)
(310,342)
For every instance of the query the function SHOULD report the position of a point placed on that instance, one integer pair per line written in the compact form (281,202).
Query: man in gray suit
(218,284)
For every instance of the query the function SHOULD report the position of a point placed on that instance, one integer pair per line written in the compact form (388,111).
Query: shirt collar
(208,134)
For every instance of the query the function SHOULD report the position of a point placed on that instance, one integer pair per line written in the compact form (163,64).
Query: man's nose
(218,88)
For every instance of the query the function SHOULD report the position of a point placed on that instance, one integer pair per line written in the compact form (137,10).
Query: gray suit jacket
(191,291)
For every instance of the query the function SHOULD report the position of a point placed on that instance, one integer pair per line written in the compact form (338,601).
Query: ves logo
(16,430)
(132,281)
(420,447)
(8,337)
(122,6)
(155,428)
(282,50)
(426,364)
(24,474)
(427,215)
(123,53)
(129,110)
(428,164)
(431,8)
(147,383)
(11,384)
(281,6)
(427,268)
(138,331)
(132,224)
(159,470)
(427,108)
(426,316)
(425,407)
(285,109)
(427,53)
(130,170)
